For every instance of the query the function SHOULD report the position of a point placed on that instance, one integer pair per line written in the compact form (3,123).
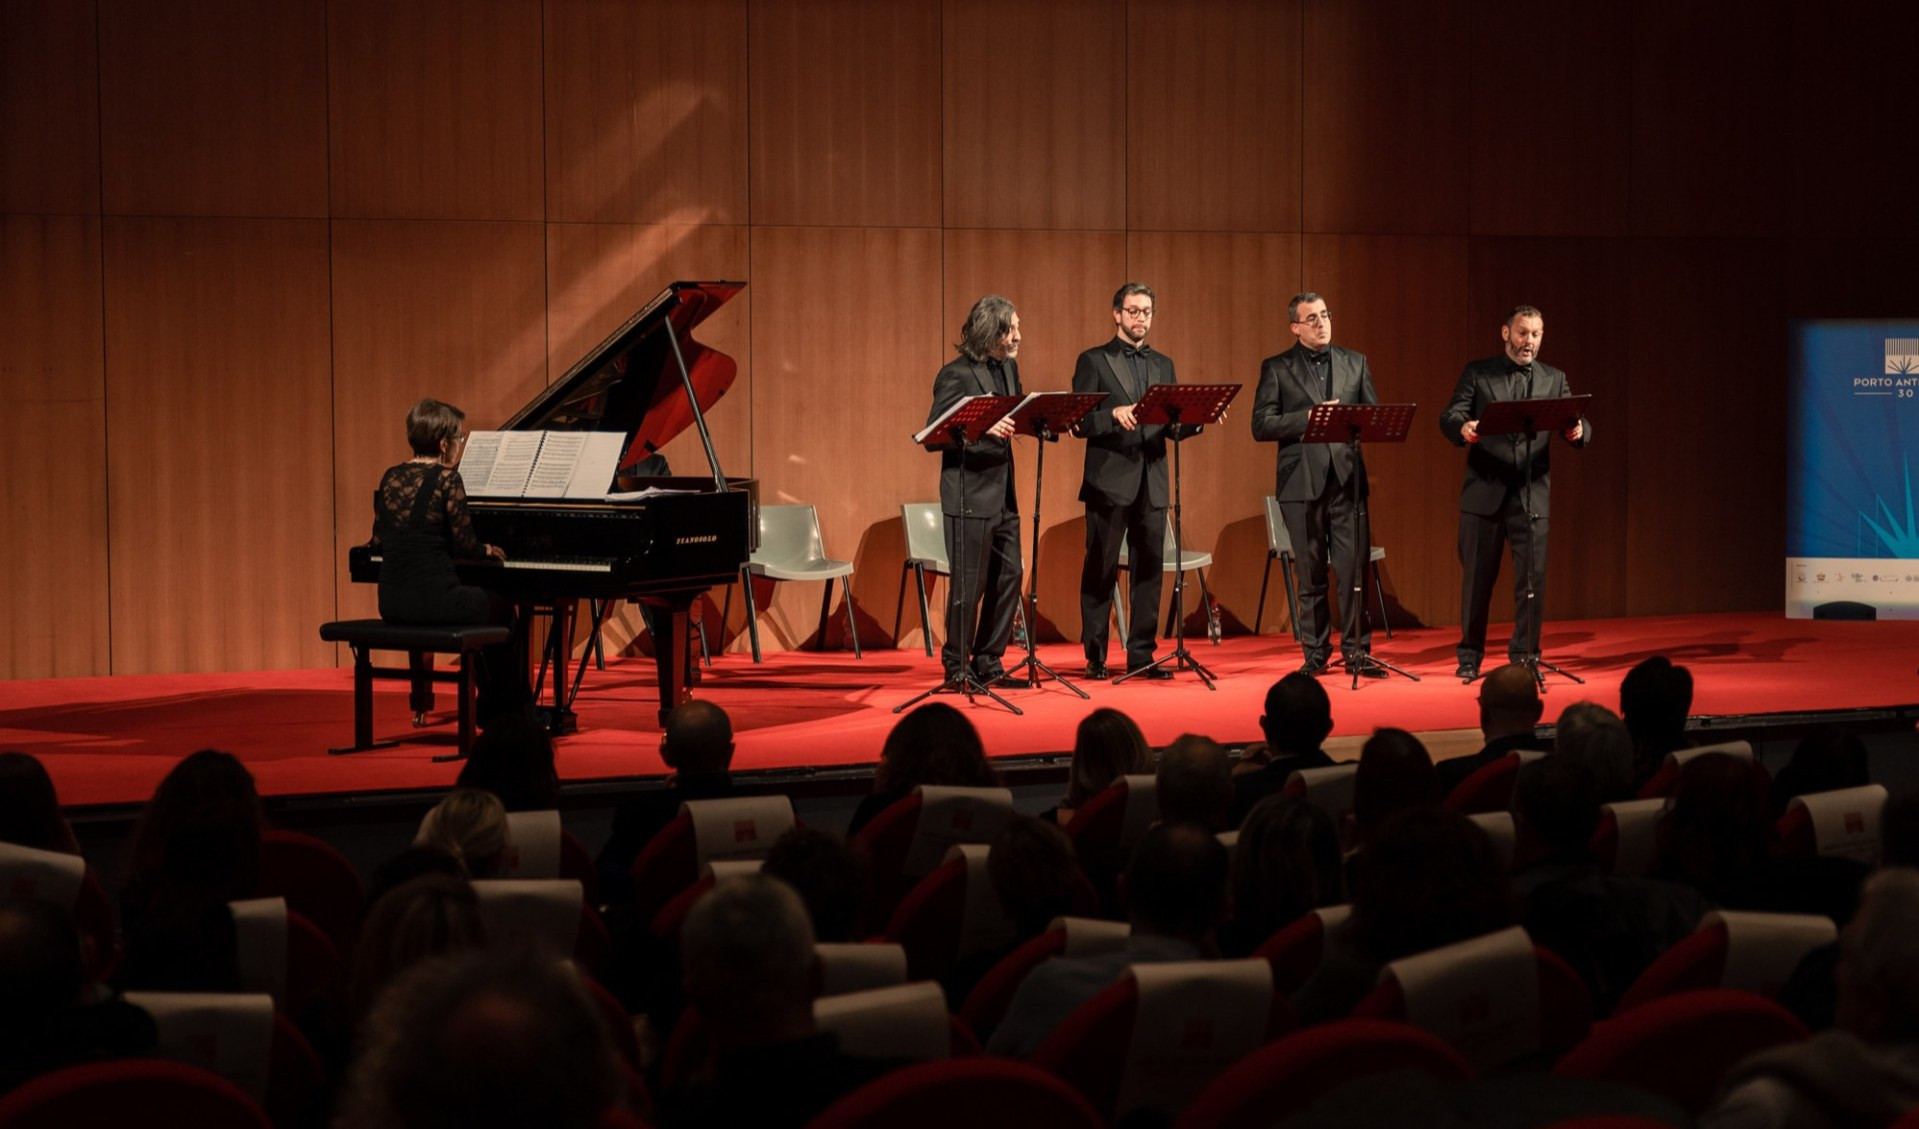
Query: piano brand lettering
(697,539)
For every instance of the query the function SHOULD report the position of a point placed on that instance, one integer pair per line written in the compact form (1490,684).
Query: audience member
(1285,865)
(1175,895)
(1195,782)
(43,1024)
(513,760)
(1509,709)
(1899,829)
(425,917)
(478,1041)
(935,744)
(413,862)
(1654,699)
(1395,774)
(1036,877)
(29,807)
(1865,1072)
(1106,746)
(1825,760)
(697,745)
(1596,737)
(828,876)
(1298,719)
(751,971)
(470,826)
(1428,878)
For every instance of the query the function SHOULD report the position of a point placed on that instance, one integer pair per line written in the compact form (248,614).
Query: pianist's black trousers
(984,555)
(502,680)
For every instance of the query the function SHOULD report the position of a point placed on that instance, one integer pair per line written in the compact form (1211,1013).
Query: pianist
(420,525)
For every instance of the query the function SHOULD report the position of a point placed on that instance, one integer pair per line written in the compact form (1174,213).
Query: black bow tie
(1139,352)
(1525,370)
(1318,358)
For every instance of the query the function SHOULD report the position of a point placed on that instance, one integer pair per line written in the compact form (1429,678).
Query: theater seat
(909,838)
(1295,950)
(1755,952)
(1680,1047)
(962,1093)
(316,880)
(986,1005)
(130,1092)
(1291,1073)
(702,832)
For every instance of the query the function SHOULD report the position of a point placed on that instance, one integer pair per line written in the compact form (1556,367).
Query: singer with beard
(1505,474)
(1124,484)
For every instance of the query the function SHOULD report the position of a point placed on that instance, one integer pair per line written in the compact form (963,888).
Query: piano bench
(364,636)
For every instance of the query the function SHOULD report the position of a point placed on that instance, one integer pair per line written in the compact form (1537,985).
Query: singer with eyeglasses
(1321,487)
(1507,496)
(1124,484)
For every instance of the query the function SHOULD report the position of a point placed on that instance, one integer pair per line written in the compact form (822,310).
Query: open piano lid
(629,382)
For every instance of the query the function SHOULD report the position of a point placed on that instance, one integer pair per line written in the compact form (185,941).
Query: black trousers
(1332,528)
(1481,539)
(985,558)
(1141,526)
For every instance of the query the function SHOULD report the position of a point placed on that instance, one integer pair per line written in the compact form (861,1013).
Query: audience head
(469,825)
(747,956)
(1509,704)
(1556,803)
(1299,715)
(199,836)
(481,1040)
(935,744)
(1195,782)
(1899,829)
(1395,774)
(41,971)
(1716,830)
(419,919)
(829,878)
(1106,747)
(1034,872)
(513,760)
(1430,877)
(1286,864)
(1654,699)
(1175,884)
(698,740)
(1827,759)
(29,806)
(413,862)
(1878,974)
(1595,737)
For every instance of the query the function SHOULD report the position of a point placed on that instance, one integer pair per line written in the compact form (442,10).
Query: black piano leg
(673,656)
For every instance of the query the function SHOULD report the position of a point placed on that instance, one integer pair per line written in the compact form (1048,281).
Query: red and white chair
(1329,789)
(1490,787)
(911,836)
(906,1021)
(1755,952)
(240,1037)
(1661,783)
(1681,1046)
(1291,1073)
(546,912)
(284,955)
(1296,949)
(703,832)
(986,1005)
(962,1093)
(1626,840)
(65,880)
(1843,823)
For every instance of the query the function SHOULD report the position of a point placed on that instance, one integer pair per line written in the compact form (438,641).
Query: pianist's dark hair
(986,323)
(429,422)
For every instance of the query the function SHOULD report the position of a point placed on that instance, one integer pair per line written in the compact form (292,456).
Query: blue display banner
(1852,517)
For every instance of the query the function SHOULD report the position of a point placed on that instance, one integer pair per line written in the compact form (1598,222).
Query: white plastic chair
(1189,561)
(791,549)
(926,553)
(1279,546)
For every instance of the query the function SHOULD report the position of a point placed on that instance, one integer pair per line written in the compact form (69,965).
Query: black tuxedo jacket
(1287,393)
(989,462)
(1116,457)
(1497,465)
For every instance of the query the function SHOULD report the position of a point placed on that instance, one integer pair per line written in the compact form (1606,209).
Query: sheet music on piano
(541,464)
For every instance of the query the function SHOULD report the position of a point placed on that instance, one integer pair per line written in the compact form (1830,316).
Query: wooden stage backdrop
(238,239)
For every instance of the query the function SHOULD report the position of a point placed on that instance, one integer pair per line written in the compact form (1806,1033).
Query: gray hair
(1301,299)
(1518,312)
(986,323)
(1881,948)
(1596,737)
(746,948)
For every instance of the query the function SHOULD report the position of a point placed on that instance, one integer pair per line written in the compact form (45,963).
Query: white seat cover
(260,936)
(954,815)
(741,827)
(1089,936)
(983,920)
(1741,749)
(908,1021)
(1330,789)
(1638,821)
(229,1033)
(848,968)
(1195,1019)
(1481,996)
(542,910)
(51,876)
(1845,822)
(722,869)
(1498,826)
(1142,807)
(1763,949)
(533,849)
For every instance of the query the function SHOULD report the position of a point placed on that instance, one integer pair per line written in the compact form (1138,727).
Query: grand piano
(648,380)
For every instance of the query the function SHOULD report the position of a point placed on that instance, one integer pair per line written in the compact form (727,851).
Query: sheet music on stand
(1513,417)
(1189,405)
(1369,423)
(1052,414)
(972,417)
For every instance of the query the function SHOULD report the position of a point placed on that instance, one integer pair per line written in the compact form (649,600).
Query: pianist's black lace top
(420,525)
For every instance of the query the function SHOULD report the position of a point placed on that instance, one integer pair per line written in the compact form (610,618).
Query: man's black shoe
(1011,682)
(1153,674)
(1468,671)
(1364,666)
(1096,672)
(1312,668)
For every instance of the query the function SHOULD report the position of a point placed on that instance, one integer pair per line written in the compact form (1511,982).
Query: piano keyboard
(538,564)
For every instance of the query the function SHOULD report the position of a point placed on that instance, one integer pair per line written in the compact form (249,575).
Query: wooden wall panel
(220,508)
(1035,122)
(53,453)
(1386,116)
(1850,278)
(1213,116)
(455,311)
(1547,139)
(49,107)
(1577,284)
(1401,300)
(646,111)
(1708,128)
(848,330)
(1707,529)
(1850,67)
(435,109)
(1063,284)
(1221,311)
(213,107)
(845,118)
(601,274)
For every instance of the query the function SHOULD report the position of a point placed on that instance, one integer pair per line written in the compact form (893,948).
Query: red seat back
(130,1092)
(1294,952)
(1697,961)
(1681,1046)
(986,1005)
(1488,789)
(953,1094)
(577,862)
(1292,1073)
(1565,1005)
(315,971)
(927,923)
(668,864)
(885,842)
(316,880)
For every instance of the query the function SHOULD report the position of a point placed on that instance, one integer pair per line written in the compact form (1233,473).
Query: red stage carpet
(109,740)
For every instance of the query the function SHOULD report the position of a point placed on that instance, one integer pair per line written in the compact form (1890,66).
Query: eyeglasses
(1137,311)
(1324,317)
